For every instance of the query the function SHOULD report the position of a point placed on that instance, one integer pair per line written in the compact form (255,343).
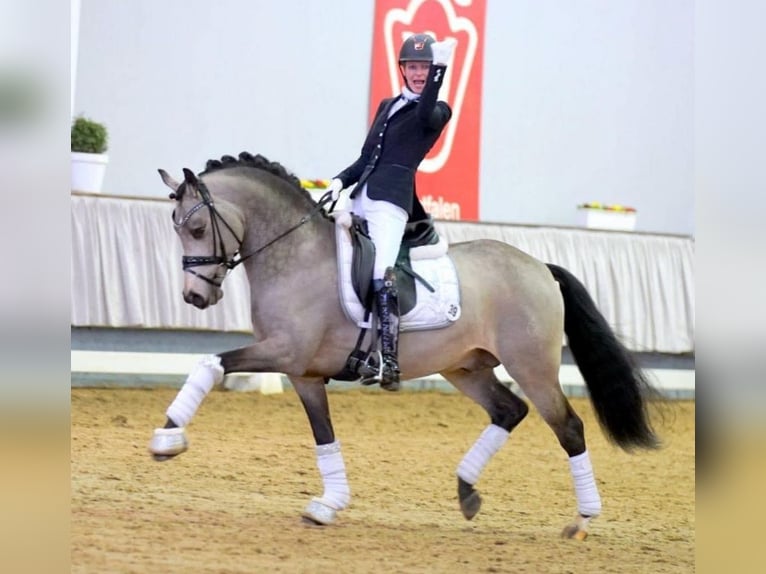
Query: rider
(404,129)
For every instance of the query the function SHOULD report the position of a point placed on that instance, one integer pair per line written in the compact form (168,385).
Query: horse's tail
(618,388)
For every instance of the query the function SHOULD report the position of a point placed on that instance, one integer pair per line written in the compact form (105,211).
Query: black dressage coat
(395,146)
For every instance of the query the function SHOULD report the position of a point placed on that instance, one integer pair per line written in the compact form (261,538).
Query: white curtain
(126,272)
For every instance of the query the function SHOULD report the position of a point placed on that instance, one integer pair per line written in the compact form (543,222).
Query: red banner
(448,178)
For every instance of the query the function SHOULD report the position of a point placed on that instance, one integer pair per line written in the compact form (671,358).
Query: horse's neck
(285,248)
(282,254)
(292,280)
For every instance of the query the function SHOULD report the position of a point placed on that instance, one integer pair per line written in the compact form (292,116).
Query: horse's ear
(168,180)
(189,177)
(171,183)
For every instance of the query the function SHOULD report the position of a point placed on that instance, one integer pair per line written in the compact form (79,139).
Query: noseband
(189,262)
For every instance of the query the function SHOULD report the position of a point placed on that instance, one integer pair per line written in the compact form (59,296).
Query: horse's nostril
(194,298)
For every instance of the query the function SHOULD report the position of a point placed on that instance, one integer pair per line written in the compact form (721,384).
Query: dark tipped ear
(189,177)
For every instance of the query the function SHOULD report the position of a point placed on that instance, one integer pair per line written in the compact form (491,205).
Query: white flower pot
(88,171)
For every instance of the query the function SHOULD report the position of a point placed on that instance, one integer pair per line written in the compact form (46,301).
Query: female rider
(404,129)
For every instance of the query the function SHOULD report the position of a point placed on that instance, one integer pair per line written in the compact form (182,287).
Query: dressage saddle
(416,234)
(362,364)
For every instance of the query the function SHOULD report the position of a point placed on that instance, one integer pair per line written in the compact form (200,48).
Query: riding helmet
(417,48)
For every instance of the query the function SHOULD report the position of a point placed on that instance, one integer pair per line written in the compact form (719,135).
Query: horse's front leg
(265,356)
(337,494)
(170,440)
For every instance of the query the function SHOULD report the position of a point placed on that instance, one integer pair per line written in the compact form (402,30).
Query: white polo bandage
(337,493)
(588,498)
(489,442)
(205,375)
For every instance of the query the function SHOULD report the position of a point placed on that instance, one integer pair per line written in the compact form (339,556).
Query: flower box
(611,217)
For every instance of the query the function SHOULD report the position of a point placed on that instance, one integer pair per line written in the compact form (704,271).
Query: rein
(230,263)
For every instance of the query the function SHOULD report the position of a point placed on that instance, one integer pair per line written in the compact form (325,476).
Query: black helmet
(417,48)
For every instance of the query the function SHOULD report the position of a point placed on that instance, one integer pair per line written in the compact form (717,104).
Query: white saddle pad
(432,311)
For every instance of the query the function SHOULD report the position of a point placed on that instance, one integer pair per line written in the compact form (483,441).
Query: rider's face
(415,74)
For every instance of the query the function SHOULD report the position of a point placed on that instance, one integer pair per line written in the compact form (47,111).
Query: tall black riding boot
(387,305)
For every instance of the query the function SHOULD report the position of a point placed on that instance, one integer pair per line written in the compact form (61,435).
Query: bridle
(189,262)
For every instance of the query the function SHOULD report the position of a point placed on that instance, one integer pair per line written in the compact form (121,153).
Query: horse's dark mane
(258,161)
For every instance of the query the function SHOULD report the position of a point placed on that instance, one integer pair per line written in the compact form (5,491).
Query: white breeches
(385,222)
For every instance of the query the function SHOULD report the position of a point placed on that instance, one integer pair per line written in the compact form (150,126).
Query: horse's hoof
(573,532)
(580,535)
(308,521)
(318,513)
(577,530)
(163,457)
(470,505)
(167,443)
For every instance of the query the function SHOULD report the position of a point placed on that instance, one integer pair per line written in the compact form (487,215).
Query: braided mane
(258,161)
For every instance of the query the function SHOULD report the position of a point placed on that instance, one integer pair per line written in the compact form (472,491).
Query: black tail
(618,388)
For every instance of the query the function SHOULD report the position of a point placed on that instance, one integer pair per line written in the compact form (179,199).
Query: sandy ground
(232,503)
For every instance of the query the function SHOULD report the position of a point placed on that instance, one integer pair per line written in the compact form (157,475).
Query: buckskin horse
(515,311)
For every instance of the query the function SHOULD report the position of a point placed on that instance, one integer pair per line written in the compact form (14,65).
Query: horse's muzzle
(194,298)
(202,302)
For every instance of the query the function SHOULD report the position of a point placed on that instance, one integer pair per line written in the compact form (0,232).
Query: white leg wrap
(337,493)
(206,374)
(489,442)
(588,498)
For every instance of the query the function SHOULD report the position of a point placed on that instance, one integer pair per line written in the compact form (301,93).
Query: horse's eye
(198,232)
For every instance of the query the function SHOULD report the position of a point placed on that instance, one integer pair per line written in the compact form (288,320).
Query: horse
(515,312)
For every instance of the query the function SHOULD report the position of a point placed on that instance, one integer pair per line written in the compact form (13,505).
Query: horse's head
(211,235)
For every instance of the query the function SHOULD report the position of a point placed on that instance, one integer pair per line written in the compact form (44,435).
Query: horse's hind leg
(543,390)
(505,410)
(337,494)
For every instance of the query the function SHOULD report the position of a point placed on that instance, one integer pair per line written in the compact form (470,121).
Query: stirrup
(391,381)
(389,384)
(373,374)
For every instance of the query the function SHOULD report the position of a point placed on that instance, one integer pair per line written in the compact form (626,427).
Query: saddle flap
(363,261)
(429,288)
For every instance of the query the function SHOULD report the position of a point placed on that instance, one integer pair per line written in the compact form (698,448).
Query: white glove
(442,51)
(336,186)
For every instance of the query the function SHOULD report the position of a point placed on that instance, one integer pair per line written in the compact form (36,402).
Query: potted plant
(89,143)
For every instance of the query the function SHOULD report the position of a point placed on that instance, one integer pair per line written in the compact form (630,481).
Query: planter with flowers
(89,143)
(597,215)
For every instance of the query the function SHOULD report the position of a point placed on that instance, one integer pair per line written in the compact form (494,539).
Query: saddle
(416,234)
(420,242)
